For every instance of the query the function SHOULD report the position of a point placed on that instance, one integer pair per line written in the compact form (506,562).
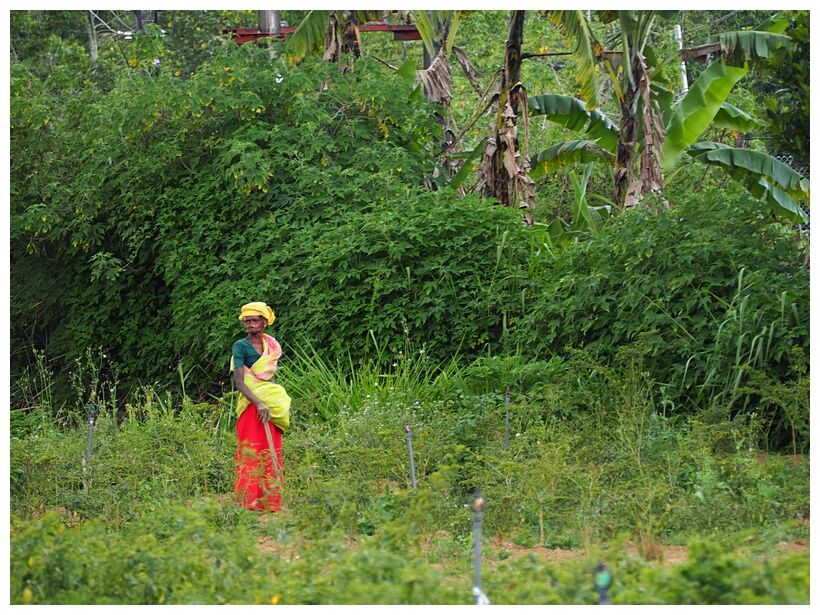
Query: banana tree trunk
(630,187)
(505,167)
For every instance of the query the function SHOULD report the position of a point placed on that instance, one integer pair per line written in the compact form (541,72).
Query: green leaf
(777,23)
(455,19)
(782,204)
(761,174)
(573,114)
(408,70)
(426,30)
(732,118)
(586,48)
(309,33)
(740,48)
(564,154)
(665,99)
(695,111)
(467,167)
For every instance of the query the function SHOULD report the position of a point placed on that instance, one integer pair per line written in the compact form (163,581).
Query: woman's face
(254,324)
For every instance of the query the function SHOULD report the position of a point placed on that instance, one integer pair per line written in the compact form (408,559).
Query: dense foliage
(147,204)
(710,288)
(787,100)
(657,361)
(310,198)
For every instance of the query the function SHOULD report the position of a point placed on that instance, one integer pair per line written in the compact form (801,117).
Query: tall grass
(323,390)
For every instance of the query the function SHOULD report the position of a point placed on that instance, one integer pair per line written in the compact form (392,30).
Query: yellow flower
(275,599)
(27,594)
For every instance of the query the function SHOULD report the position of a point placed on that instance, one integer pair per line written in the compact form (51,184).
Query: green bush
(171,556)
(167,452)
(304,188)
(711,287)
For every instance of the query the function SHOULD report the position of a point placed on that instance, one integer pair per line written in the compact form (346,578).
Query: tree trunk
(92,37)
(629,186)
(144,17)
(512,57)
(505,168)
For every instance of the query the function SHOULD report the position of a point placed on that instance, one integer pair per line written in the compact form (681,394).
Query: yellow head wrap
(257,308)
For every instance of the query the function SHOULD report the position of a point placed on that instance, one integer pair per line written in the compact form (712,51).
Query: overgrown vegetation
(590,463)
(710,289)
(657,360)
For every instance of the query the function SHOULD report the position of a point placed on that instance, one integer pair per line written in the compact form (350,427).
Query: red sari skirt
(258,480)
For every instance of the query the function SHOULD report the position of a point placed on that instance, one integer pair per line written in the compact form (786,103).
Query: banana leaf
(309,33)
(573,114)
(732,118)
(467,166)
(782,204)
(695,111)
(426,31)
(444,20)
(665,99)
(586,48)
(741,47)
(777,23)
(567,153)
(762,175)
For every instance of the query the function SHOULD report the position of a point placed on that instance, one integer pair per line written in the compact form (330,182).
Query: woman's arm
(239,380)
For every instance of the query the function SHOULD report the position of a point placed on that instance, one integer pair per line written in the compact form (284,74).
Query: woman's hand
(264,412)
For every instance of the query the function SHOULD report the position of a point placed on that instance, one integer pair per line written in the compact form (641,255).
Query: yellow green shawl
(258,380)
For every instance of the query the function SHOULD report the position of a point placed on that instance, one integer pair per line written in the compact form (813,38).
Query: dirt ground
(668,555)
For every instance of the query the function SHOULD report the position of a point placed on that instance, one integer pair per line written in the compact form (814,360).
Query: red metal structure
(401,32)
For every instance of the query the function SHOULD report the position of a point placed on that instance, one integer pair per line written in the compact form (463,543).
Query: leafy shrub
(173,555)
(716,575)
(165,453)
(712,286)
(178,555)
(303,188)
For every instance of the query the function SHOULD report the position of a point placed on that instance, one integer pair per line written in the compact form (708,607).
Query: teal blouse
(244,354)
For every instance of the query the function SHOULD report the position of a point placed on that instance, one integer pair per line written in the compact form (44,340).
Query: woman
(263,411)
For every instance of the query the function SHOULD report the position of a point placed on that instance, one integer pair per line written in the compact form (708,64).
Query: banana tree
(504,169)
(334,32)
(629,76)
(661,130)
